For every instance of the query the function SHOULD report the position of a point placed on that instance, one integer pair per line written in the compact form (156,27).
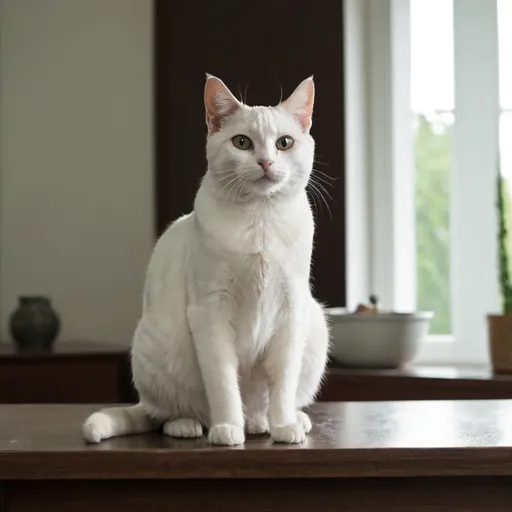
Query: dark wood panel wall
(255,48)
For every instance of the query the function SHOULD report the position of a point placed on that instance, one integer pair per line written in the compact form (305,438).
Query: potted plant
(500,325)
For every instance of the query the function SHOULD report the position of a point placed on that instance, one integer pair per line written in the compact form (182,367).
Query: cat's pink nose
(265,164)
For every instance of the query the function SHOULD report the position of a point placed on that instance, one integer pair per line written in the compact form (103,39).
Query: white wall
(76,212)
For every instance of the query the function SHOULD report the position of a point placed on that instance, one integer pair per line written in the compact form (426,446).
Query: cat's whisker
(281,88)
(318,184)
(219,178)
(239,189)
(225,171)
(324,177)
(233,179)
(315,186)
(245,95)
(315,198)
(235,188)
(228,194)
(233,182)
(318,201)
(320,179)
(222,178)
(326,204)
(313,203)
(332,178)
(234,169)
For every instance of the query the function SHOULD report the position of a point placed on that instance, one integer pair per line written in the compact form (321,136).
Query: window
(432,103)
(433,129)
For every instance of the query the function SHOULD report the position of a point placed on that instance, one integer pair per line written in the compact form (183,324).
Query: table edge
(295,464)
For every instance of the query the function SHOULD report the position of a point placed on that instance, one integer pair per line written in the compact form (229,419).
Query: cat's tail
(118,421)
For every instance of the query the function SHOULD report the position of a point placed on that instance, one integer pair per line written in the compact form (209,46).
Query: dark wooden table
(362,457)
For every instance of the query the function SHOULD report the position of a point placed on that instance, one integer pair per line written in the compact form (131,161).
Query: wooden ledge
(415,383)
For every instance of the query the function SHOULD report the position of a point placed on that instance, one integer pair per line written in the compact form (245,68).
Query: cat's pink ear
(219,103)
(300,103)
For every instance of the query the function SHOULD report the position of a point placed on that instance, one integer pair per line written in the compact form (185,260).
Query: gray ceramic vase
(34,324)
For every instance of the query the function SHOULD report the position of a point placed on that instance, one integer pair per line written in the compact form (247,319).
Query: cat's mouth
(268,183)
(269,178)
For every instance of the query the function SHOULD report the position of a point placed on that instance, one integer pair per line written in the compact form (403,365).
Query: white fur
(230,336)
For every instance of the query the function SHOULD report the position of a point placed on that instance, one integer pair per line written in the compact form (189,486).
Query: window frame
(381,245)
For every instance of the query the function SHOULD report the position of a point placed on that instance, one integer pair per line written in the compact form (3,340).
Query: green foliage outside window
(433,159)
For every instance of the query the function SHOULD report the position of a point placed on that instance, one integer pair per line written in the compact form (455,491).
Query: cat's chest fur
(268,229)
(255,256)
(250,251)
(259,277)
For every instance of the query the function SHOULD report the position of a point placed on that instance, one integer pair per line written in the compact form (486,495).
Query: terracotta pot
(500,342)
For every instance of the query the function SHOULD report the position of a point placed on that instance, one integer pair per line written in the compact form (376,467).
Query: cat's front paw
(303,418)
(183,427)
(291,434)
(226,435)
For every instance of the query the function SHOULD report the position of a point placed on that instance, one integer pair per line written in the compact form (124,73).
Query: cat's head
(259,151)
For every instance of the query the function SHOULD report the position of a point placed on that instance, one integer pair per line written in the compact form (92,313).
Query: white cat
(231,338)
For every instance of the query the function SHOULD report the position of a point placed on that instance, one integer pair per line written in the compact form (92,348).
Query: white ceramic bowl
(383,340)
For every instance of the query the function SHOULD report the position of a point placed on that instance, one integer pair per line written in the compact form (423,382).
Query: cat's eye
(284,143)
(242,142)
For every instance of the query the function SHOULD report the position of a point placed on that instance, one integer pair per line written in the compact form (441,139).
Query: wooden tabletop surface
(349,440)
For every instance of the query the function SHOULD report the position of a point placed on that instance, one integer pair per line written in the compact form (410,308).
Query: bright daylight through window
(432,102)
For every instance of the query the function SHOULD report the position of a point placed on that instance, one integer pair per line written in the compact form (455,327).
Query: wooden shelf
(81,372)
(415,383)
(99,372)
